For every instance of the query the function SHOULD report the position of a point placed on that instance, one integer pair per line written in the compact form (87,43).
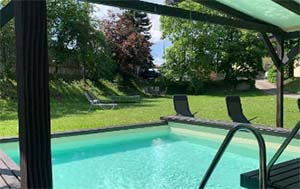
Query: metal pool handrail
(282,148)
(262,155)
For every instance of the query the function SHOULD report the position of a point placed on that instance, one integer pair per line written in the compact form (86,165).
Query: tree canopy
(199,48)
(130,45)
(7,47)
(75,38)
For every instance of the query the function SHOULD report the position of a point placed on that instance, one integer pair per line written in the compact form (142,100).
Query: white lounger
(94,101)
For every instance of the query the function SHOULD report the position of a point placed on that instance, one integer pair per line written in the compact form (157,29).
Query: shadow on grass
(106,91)
(250,93)
(74,102)
(60,109)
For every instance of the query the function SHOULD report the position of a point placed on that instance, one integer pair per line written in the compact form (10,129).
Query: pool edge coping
(93,130)
(281,132)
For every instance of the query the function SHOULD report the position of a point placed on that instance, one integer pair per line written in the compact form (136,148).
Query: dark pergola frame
(290,5)
(33,80)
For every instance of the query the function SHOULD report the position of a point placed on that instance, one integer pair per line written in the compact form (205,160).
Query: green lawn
(292,85)
(69,108)
(70,111)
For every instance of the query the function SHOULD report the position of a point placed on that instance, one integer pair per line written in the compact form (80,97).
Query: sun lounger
(94,101)
(181,106)
(235,110)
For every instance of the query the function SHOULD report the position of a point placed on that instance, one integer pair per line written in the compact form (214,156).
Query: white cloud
(155,30)
(159,60)
(161,2)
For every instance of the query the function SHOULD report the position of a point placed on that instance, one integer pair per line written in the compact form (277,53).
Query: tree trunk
(83,73)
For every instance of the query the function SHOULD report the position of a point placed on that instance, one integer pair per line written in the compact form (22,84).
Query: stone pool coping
(93,130)
(282,132)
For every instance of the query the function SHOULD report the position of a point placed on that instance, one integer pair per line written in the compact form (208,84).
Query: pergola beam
(6,14)
(292,54)
(190,15)
(292,35)
(272,52)
(290,5)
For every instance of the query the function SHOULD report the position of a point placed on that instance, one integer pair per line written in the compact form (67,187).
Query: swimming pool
(169,156)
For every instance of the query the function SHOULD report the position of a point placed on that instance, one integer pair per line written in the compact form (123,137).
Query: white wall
(297,71)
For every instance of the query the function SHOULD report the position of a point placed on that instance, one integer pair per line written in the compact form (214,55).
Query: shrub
(272,73)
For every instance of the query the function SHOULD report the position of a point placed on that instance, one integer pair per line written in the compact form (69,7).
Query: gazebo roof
(281,13)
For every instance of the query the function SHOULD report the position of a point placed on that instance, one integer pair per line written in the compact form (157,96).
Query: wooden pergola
(32,65)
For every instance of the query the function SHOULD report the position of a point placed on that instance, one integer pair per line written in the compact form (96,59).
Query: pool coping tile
(282,132)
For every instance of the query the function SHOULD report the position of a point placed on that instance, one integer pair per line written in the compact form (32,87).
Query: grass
(69,108)
(292,85)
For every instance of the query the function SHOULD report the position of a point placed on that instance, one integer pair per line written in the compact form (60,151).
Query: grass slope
(69,108)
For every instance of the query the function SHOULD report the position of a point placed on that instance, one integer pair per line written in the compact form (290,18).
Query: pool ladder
(264,171)
(282,148)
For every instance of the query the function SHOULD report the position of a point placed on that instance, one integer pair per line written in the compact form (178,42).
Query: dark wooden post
(33,93)
(277,57)
(279,82)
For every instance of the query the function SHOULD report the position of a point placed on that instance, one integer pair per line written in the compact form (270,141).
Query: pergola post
(277,57)
(33,93)
(279,82)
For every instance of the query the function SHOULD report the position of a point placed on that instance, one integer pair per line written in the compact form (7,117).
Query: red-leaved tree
(130,48)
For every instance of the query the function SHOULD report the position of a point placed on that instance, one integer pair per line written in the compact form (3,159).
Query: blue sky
(158,43)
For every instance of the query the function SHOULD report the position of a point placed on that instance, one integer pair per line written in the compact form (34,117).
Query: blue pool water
(151,158)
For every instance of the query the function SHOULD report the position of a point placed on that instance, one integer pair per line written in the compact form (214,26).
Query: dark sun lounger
(235,110)
(181,106)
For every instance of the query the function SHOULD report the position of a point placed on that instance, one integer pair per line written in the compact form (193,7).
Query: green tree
(142,22)
(7,48)
(193,47)
(75,38)
(239,54)
(199,48)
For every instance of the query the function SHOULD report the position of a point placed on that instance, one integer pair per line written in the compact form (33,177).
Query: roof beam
(295,51)
(6,14)
(271,49)
(292,35)
(190,15)
(290,5)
